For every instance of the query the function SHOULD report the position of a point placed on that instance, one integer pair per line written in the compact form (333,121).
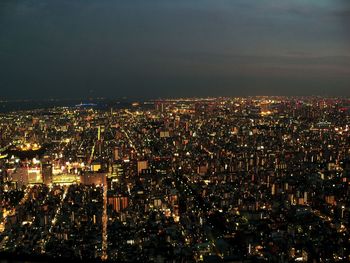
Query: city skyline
(260,179)
(168,131)
(157,49)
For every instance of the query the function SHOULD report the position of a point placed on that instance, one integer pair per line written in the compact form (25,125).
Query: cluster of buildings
(213,180)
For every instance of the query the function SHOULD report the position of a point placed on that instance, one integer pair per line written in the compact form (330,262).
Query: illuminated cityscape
(175,131)
(250,179)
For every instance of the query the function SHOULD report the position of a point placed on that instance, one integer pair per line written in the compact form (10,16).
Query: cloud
(124,46)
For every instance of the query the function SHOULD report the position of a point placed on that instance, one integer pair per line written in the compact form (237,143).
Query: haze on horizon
(163,48)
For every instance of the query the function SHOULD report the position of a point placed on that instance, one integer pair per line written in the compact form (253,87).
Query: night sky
(173,48)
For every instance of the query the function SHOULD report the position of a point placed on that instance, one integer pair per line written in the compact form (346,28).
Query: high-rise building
(47,173)
(141,165)
(118,203)
(116,153)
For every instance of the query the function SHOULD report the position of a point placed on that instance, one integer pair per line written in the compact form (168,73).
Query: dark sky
(173,48)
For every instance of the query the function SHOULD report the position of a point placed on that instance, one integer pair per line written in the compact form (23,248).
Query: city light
(254,179)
